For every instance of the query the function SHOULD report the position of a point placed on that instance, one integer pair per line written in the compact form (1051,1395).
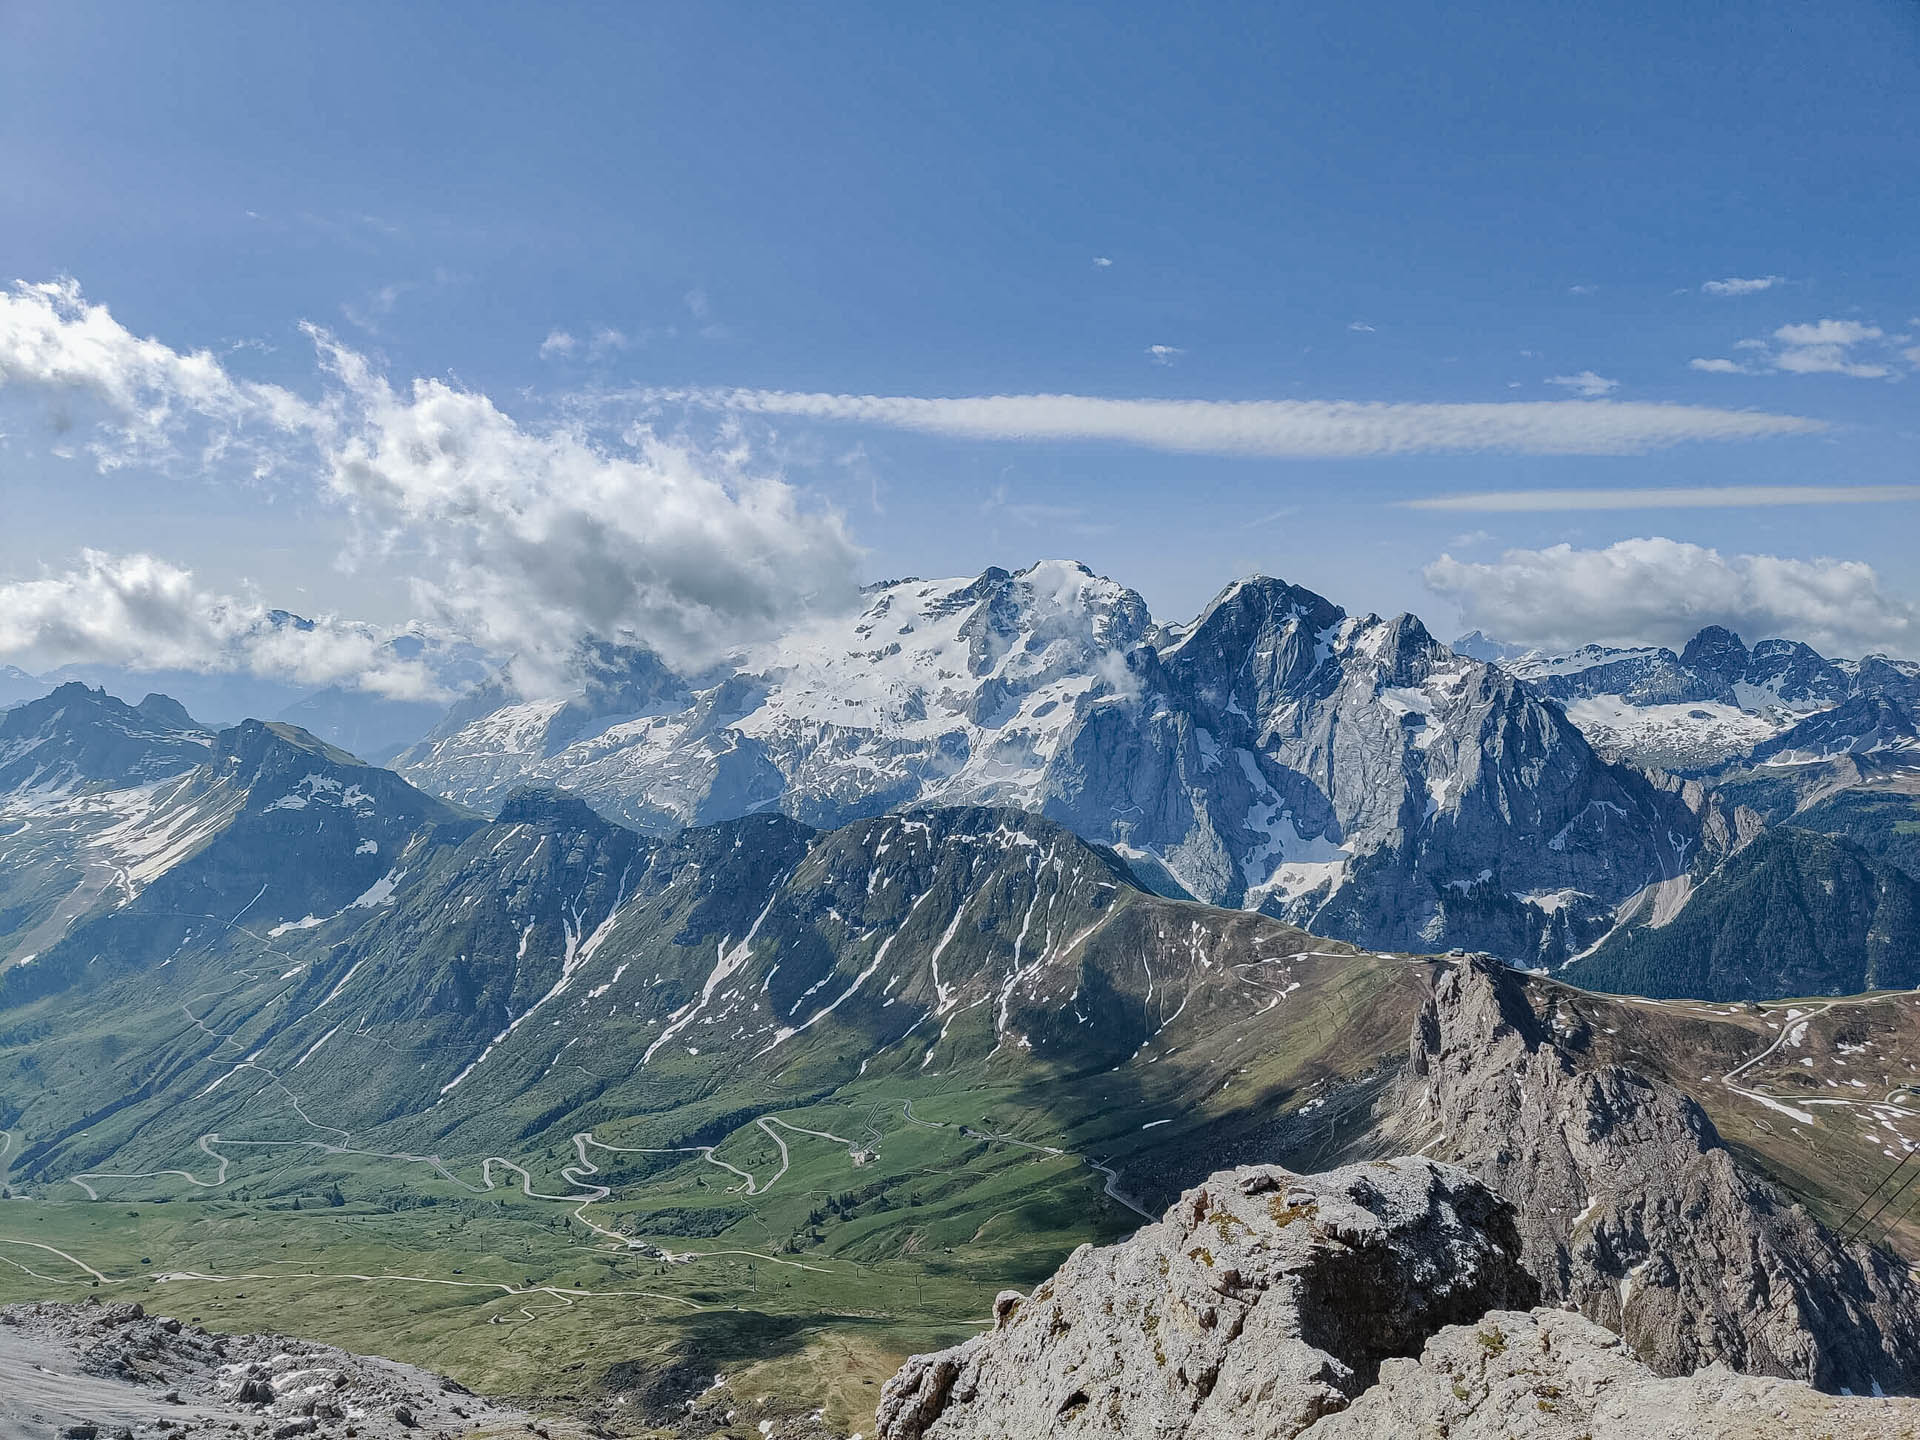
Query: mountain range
(1346,774)
(241,968)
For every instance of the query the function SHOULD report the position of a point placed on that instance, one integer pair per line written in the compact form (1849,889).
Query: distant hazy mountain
(16,685)
(1717,701)
(368,724)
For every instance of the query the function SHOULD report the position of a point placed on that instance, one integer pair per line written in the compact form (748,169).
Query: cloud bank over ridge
(1661,591)
(533,537)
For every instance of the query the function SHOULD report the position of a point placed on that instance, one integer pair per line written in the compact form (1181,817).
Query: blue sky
(606,216)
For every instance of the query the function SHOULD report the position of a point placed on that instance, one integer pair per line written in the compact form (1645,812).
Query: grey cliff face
(1359,778)
(1633,1210)
(1262,1301)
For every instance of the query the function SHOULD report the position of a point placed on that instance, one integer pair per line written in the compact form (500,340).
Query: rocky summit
(1262,1301)
(1363,1302)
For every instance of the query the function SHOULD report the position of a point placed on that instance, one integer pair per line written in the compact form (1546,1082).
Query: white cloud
(564,344)
(1734,285)
(1164,354)
(1828,332)
(146,396)
(1826,348)
(1821,347)
(1102,262)
(1695,497)
(368,313)
(139,611)
(1581,289)
(543,537)
(534,537)
(1660,591)
(1361,327)
(1585,383)
(1301,429)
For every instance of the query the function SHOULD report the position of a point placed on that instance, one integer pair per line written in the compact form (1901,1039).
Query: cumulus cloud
(1586,383)
(1102,262)
(1734,285)
(1659,591)
(1828,347)
(1164,354)
(1820,347)
(1294,429)
(558,344)
(1361,327)
(535,537)
(142,612)
(149,402)
(540,538)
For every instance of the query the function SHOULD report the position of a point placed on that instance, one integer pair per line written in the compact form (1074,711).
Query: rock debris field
(113,1372)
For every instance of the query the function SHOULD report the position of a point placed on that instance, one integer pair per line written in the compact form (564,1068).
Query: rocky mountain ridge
(103,1370)
(1633,1209)
(1717,701)
(77,737)
(1261,1302)
(550,984)
(1344,772)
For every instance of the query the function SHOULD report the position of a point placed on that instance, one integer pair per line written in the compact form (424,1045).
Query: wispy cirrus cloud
(1692,497)
(565,345)
(1586,384)
(1288,429)
(1735,285)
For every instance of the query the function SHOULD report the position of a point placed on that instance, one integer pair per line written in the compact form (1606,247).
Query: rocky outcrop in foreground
(1263,1301)
(1631,1207)
(1551,1375)
(1355,1305)
(112,1372)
